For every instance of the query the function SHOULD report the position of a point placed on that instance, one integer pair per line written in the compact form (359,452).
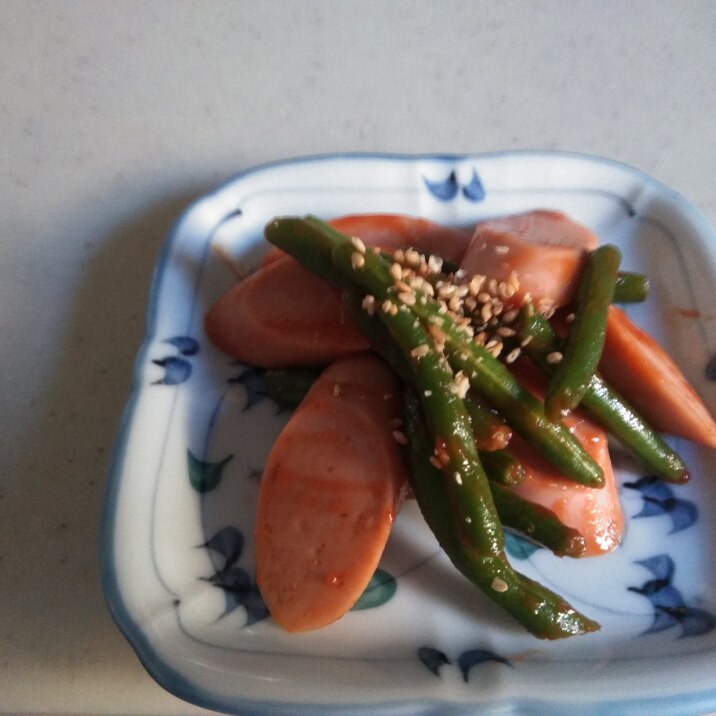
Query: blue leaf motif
(380,589)
(659,500)
(474,191)
(651,487)
(176,370)
(519,548)
(662,621)
(432,658)
(661,566)
(474,657)
(205,476)
(236,585)
(683,514)
(256,609)
(229,543)
(444,190)
(186,345)
(695,622)
(254,383)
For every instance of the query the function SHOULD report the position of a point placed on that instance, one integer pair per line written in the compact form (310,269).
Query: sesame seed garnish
(458,478)
(510,316)
(525,341)
(399,255)
(400,437)
(502,250)
(368,304)
(435,264)
(402,286)
(407,297)
(460,385)
(492,286)
(554,357)
(386,305)
(427,393)
(358,245)
(396,271)
(513,355)
(486,312)
(393,309)
(505,331)
(337,390)
(412,257)
(499,585)
(569,317)
(476,284)
(357,260)
(468,519)
(420,351)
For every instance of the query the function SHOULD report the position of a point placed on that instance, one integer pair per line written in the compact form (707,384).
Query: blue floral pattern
(447,189)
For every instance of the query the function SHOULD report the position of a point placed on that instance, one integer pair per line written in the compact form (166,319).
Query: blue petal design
(474,657)
(519,548)
(444,190)
(186,345)
(256,609)
(229,543)
(652,487)
(659,499)
(205,476)
(683,514)
(696,622)
(661,566)
(474,191)
(252,378)
(432,658)
(176,370)
(380,589)
(236,584)
(651,508)
(662,621)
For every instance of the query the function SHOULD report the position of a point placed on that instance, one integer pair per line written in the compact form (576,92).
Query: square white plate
(178,522)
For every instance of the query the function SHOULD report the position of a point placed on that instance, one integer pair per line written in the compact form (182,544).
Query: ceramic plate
(177,549)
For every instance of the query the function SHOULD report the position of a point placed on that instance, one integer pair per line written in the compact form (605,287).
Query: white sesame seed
(468,519)
(502,250)
(554,357)
(510,316)
(435,264)
(412,257)
(357,260)
(399,255)
(400,437)
(486,312)
(499,585)
(396,271)
(525,341)
(358,245)
(420,351)
(407,297)
(513,355)
(458,478)
(386,305)
(505,331)
(368,304)
(427,393)
(569,317)
(476,284)
(492,286)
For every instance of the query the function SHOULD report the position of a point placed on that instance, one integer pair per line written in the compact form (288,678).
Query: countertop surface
(114,116)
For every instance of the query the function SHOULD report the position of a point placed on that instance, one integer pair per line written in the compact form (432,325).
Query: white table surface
(115,115)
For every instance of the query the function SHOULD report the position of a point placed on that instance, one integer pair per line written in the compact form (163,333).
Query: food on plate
(504,414)
(330,490)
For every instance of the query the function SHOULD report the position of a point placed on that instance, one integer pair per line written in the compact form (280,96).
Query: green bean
(490,378)
(630,287)
(501,467)
(542,612)
(537,523)
(607,407)
(489,429)
(585,341)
